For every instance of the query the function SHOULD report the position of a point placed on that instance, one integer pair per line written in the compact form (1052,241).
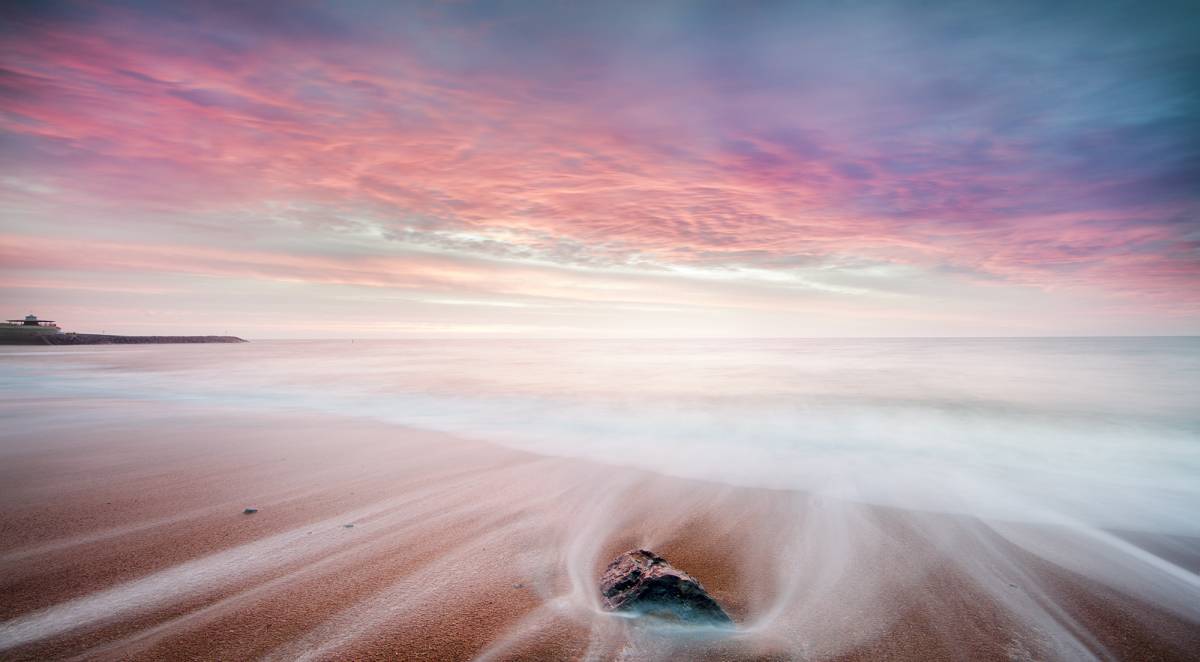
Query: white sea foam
(1104,431)
(1097,439)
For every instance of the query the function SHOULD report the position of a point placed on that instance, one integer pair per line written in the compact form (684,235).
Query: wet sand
(122,536)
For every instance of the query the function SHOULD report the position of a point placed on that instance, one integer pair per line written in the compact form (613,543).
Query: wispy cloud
(799,148)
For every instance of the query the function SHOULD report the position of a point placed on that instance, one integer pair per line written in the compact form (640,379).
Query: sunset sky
(593,169)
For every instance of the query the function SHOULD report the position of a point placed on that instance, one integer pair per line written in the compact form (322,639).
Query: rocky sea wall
(105,339)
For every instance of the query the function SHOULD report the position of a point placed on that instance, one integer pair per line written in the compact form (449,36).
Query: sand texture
(124,537)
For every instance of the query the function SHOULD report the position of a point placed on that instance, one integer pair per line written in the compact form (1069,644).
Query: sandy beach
(638,331)
(124,538)
(600,331)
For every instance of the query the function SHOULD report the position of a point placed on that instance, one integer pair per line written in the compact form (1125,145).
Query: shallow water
(1099,438)
(1104,431)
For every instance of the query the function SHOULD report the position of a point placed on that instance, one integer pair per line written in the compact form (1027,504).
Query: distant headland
(33,331)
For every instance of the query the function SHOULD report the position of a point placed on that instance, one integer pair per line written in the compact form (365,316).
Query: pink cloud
(120,119)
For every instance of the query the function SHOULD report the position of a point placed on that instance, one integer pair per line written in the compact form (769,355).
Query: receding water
(1099,438)
(1102,431)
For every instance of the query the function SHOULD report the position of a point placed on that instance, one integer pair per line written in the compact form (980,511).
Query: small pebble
(250,511)
(518,586)
(348,526)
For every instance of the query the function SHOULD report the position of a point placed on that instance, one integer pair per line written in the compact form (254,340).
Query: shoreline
(126,540)
(67,339)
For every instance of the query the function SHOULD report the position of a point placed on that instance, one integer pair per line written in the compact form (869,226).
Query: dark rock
(642,582)
(250,511)
(347,526)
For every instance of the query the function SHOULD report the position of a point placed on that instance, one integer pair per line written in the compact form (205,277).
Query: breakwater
(106,339)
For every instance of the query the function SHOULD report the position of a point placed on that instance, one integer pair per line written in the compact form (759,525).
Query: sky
(748,169)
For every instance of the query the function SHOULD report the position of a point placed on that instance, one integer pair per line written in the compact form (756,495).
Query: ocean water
(1081,454)
(1101,432)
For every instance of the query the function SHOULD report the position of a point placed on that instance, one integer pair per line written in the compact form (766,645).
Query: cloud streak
(985,147)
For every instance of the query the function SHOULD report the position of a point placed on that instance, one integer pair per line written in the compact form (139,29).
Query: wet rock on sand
(642,582)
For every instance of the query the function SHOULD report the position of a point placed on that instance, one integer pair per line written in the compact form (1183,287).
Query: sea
(1100,432)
